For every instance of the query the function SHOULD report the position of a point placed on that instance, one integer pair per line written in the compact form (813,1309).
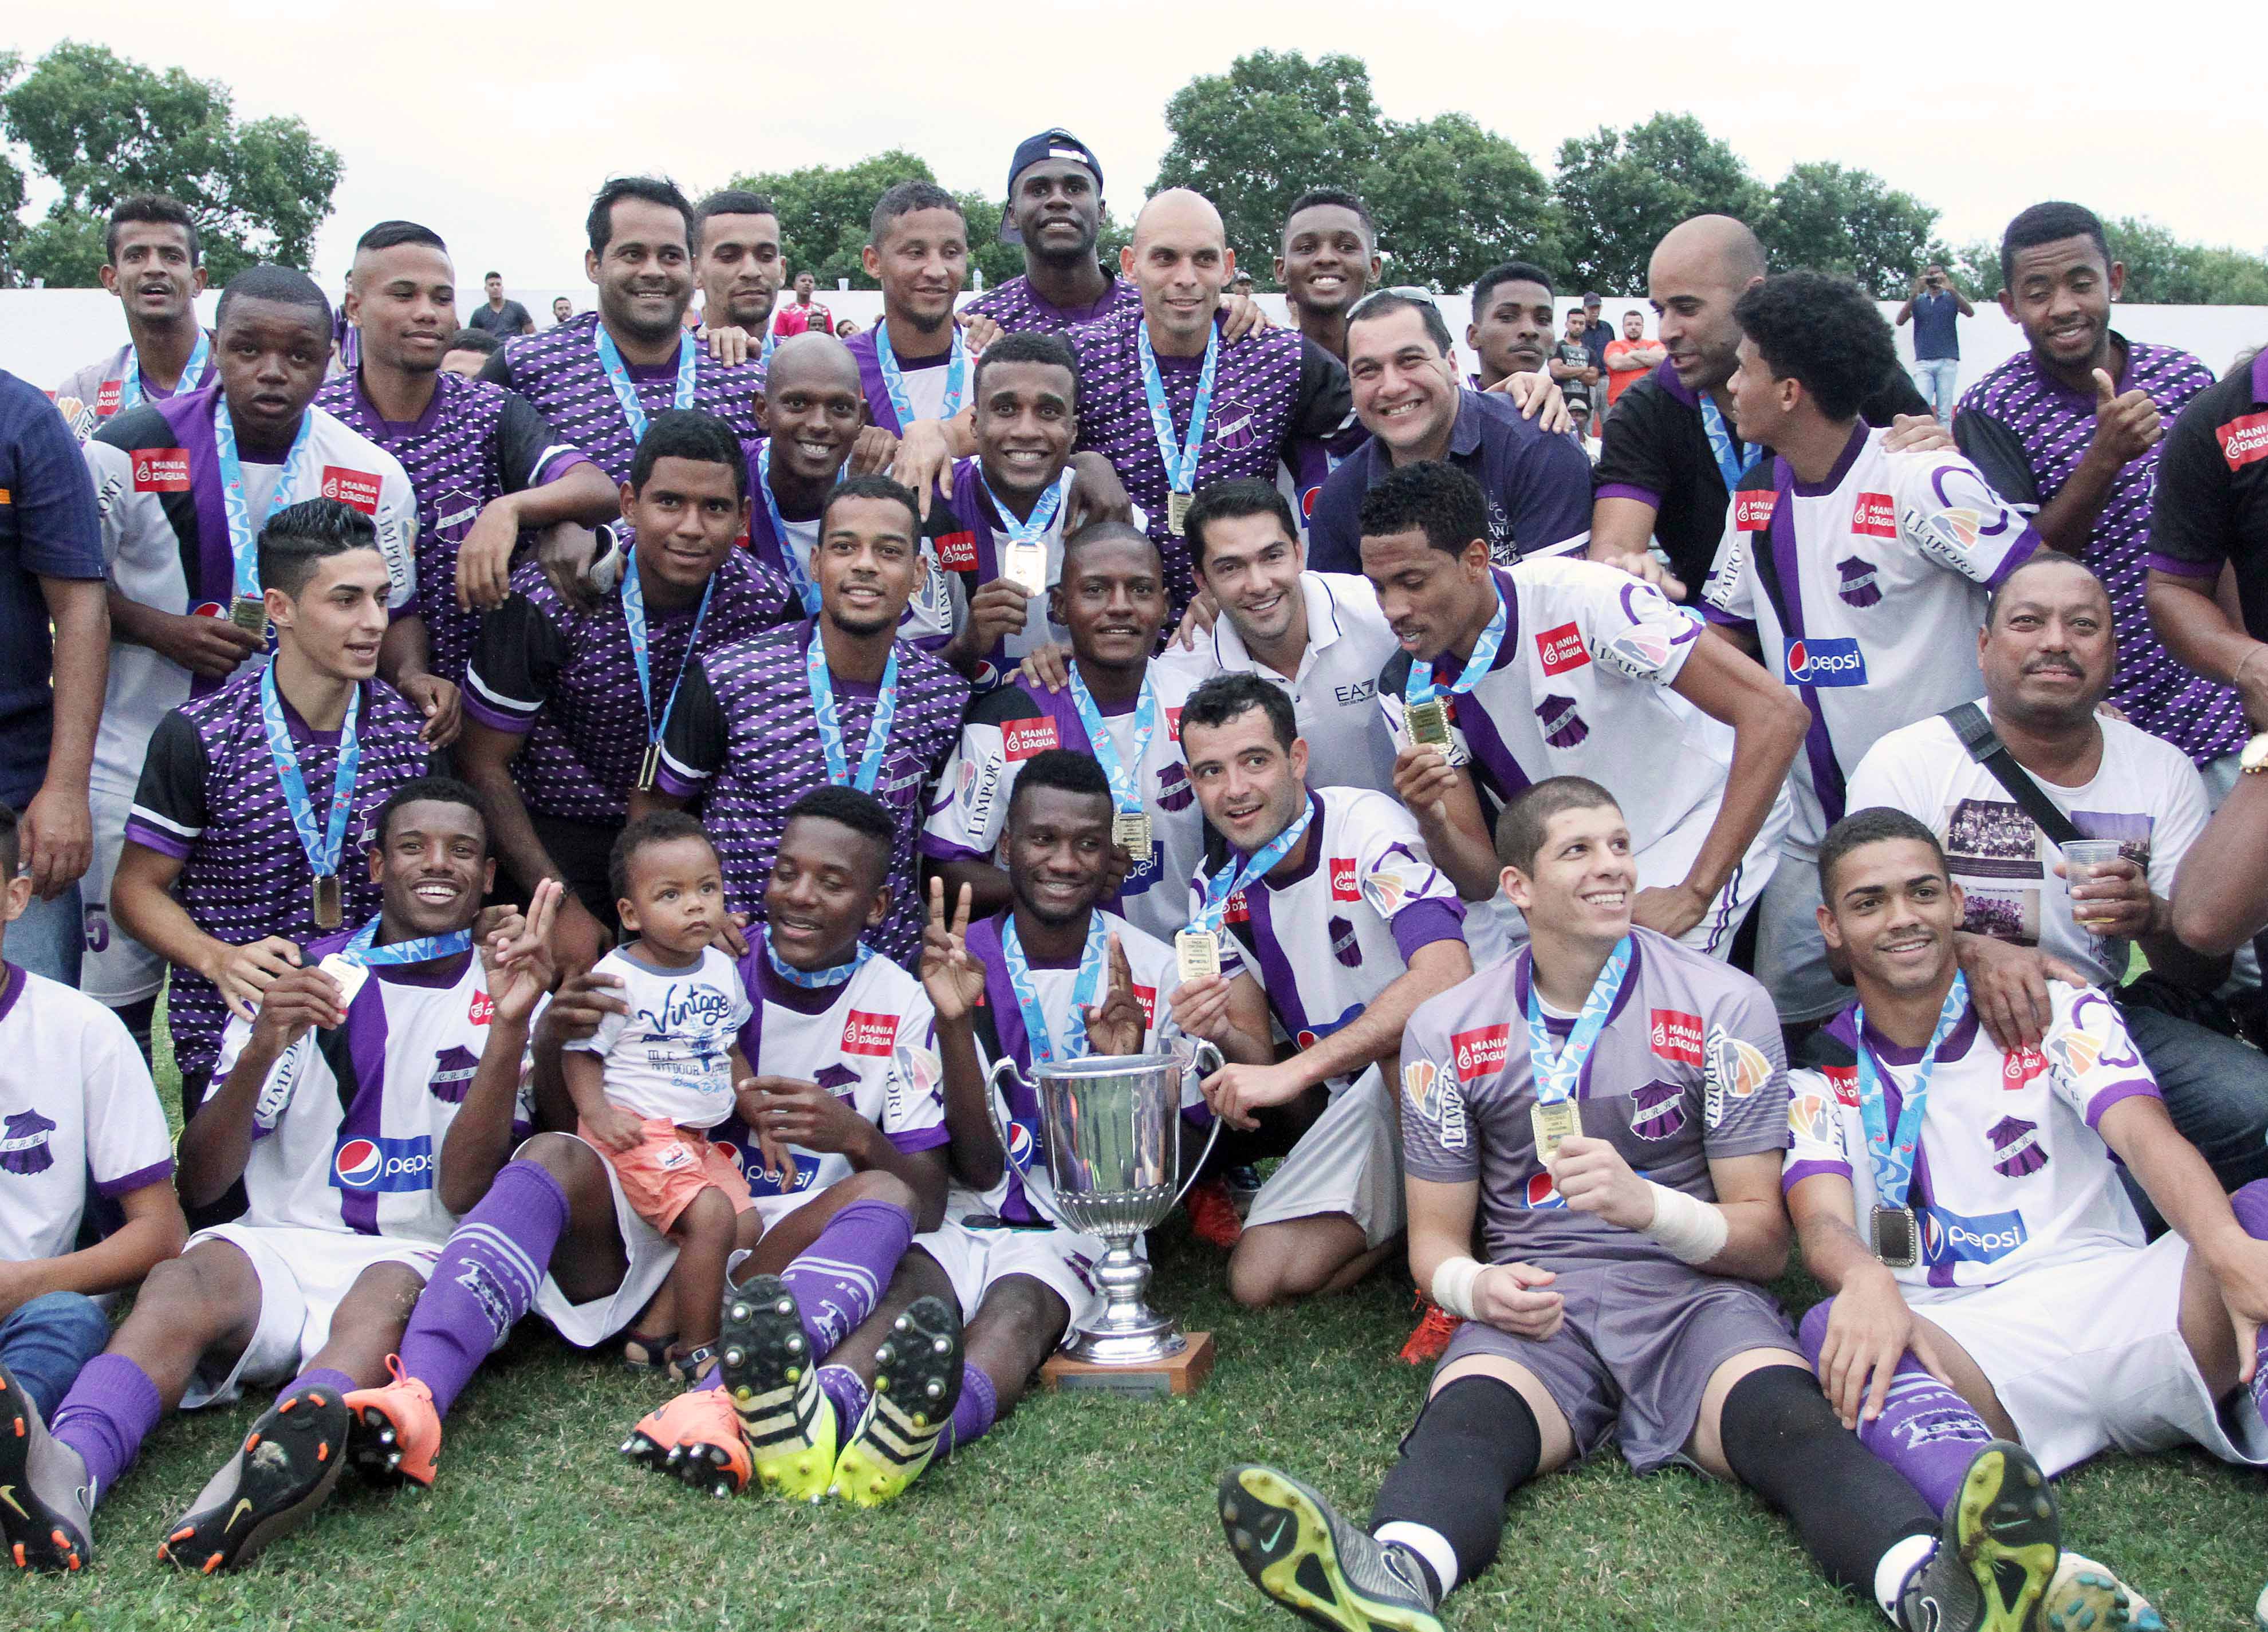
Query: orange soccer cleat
(1433,1335)
(1212,1214)
(395,1432)
(696,1437)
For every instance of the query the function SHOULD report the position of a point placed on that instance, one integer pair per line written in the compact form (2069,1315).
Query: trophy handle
(1198,1065)
(996,1101)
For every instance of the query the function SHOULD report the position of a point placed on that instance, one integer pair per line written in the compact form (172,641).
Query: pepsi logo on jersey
(390,1166)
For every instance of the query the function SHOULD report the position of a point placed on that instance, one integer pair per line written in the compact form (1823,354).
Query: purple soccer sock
(973,1414)
(109,1411)
(487,1279)
(338,1382)
(1927,1431)
(2251,1205)
(836,1280)
(842,1385)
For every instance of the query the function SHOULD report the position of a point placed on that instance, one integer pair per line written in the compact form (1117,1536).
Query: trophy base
(1177,1375)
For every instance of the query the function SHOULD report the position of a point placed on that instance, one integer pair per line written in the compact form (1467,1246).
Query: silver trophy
(1111,1125)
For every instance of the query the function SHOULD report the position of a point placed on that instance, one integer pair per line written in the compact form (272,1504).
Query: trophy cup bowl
(1111,1126)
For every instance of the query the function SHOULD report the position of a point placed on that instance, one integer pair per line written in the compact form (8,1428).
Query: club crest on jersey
(874,1035)
(1658,1110)
(1752,509)
(1674,1034)
(452,1075)
(1175,790)
(1858,587)
(837,1078)
(1735,1070)
(24,1144)
(1562,649)
(2242,440)
(1481,1052)
(1874,515)
(2019,1066)
(1346,945)
(956,552)
(359,489)
(1543,1193)
(1948,1238)
(2016,1147)
(1234,435)
(454,511)
(1344,886)
(1563,727)
(161,470)
(393,1167)
(1020,739)
(1433,1093)
(1825,662)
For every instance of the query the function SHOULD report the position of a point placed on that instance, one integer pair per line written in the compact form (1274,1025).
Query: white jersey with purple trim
(1325,941)
(1334,694)
(2010,1174)
(347,1129)
(871,1042)
(78,1115)
(1886,567)
(88,396)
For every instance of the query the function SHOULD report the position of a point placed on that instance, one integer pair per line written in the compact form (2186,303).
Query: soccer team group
(595,823)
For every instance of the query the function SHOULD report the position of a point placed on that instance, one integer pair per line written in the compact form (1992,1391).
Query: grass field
(1080,1512)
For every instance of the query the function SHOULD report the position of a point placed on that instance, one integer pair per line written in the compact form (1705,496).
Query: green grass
(1080,1512)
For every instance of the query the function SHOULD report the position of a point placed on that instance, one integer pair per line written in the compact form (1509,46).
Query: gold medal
(1198,951)
(1130,831)
(349,976)
(648,766)
(249,613)
(1026,564)
(330,902)
(1177,513)
(1561,1119)
(1428,722)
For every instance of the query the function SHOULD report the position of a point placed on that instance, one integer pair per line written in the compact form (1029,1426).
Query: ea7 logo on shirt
(1837,662)
(1674,1034)
(1875,515)
(161,470)
(2243,441)
(1345,887)
(1020,739)
(1562,649)
(876,1034)
(956,552)
(392,1166)
(1481,1051)
(356,487)
(1752,511)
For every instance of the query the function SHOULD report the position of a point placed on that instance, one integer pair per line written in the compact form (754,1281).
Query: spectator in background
(469,350)
(1598,334)
(802,314)
(1936,308)
(1629,358)
(1241,284)
(1577,374)
(500,317)
(847,327)
(51,573)
(346,345)
(561,309)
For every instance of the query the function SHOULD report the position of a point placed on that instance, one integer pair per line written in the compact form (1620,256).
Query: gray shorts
(1636,1352)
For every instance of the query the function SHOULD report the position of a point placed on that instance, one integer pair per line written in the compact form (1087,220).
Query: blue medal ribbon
(243,530)
(1033,530)
(814,980)
(1125,784)
(618,376)
(1720,443)
(424,949)
(893,378)
(798,574)
(771,342)
(830,725)
(129,383)
(1044,1051)
(1235,875)
(634,616)
(1558,1072)
(1893,1160)
(322,847)
(1180,461)
(1420,686)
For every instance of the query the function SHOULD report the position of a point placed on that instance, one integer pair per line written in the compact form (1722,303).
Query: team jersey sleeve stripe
(915,1140)
(1628,490)
(1811,1168)
(2175,565)
(938,847)
(152,837)
(678,779)
(153,1173)
(492,708)
(2127,1088)
(1723,619)
(1423,922)
(556,462)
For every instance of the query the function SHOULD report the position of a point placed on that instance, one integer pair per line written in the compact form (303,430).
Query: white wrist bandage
(1691,1228)
(1453,1279)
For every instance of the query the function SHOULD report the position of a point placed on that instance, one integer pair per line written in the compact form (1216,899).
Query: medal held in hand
(1130,831)
(1428,722)
(1024,559)
(1425,702)
(1553,1124)
(1026,565)
(1197,953)
(1894,1227)
(249,613)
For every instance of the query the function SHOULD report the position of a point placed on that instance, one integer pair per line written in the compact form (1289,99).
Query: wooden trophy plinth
(1178,1376)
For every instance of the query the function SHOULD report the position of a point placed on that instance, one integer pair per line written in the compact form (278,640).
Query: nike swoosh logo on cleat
(242,1507)
(1268,1542)
(8,1495)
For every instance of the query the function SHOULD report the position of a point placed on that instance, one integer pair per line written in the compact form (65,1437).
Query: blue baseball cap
(1057,143)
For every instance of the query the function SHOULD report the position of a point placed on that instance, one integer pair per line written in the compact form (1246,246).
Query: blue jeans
(1933,378)
(43,1343)
(50,936)
(2216,1091)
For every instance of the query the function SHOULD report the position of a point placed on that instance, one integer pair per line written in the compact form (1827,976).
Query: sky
(494,123)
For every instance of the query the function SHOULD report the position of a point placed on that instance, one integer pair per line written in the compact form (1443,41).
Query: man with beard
(737,261)
(155,265)
(496,315)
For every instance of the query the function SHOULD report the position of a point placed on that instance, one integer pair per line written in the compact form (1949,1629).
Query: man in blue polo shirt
(1403,370)
(1935,308)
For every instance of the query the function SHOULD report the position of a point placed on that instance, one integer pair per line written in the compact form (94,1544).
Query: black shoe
(281,1475)
(47,1506)
(917,1384)
(1300,1552)
(1998,1551)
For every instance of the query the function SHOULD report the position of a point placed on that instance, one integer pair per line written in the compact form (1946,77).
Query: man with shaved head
(1670,458)
(1172,405)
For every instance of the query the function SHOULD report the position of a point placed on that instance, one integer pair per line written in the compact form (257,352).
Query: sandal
(689,1367)
(642,1353)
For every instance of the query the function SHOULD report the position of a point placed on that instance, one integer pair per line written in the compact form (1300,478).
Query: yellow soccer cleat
(773,1382)
(917,1384)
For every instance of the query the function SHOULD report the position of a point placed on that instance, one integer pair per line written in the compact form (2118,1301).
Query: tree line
(1451,198)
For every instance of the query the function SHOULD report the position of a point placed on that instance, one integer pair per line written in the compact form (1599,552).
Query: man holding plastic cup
(2064,830)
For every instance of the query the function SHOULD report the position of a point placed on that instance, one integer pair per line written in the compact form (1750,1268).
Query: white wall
(45,333)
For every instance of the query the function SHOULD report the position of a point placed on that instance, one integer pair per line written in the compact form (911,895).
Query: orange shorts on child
(669,1167)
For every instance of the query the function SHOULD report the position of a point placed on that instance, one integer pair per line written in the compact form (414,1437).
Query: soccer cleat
(697,1438)
(1328,1572)
(1212,1215)
(1427,1344)
(2000,1549)
(47,1505)
(396,1431)
(2084,1597)
(917,1384)
(772,1381)
(282,1472)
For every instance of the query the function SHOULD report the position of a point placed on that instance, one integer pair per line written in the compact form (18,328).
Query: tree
(101,127)
(1453,200)
(1617,192)
(2161,269)
(1851,222)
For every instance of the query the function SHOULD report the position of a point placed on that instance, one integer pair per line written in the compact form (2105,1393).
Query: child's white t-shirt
(669,1056)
